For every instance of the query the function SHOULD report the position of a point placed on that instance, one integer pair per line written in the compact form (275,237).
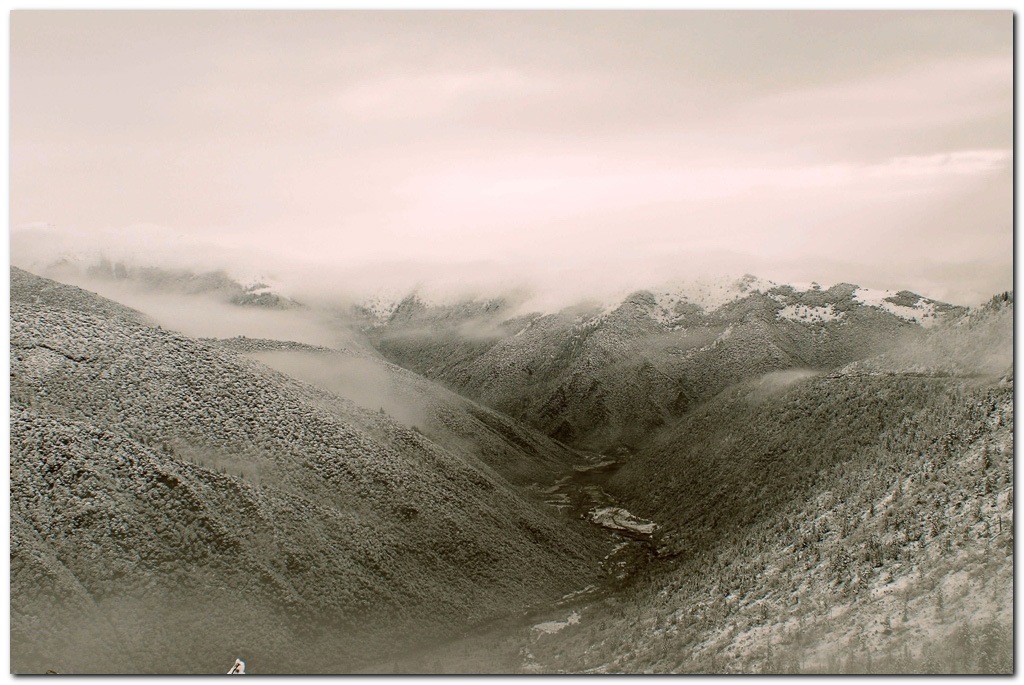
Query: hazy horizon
(578,152)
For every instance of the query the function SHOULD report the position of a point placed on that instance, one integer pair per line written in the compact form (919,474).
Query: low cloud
(365,381)
(569,153)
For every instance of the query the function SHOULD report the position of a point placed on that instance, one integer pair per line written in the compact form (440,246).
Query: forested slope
(521,455)
(860,521)
(897,560)
(175,505)
(857,521)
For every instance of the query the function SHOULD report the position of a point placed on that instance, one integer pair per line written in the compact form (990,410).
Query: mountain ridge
(604,378)
(293,508)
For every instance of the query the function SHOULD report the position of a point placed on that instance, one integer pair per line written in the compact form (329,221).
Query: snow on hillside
(383,301)
(670,296)
(902,304)
(673,298)
(261,284)
(709,294)
(381,307)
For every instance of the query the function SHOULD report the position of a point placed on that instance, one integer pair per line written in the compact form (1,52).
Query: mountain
(796,480)
(176,504)
(856,521)
(604,378)
(484,437)
(217,284)
(763,439)
(842,522)
(974,344)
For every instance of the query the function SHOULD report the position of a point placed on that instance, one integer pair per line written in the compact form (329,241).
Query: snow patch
(380,308)
(710,295)
(664,313)
(578,593)
(259,283)
(38,363)
(923,312)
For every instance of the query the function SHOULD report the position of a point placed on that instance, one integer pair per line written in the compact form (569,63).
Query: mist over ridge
(542,285)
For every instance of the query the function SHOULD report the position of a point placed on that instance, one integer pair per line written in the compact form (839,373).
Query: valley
(501,645)
(334,504)
(566,341)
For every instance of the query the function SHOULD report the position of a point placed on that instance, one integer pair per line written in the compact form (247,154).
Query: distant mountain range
(604,376)
(599,376)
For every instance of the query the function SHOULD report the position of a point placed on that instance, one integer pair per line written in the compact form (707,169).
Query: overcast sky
(576,149)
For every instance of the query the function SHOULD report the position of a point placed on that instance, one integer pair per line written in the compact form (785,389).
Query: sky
(577,151)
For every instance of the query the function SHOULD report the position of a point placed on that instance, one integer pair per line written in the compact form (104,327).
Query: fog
(552,159)
(161,631)
(980,347)
(542,283)
(365,381)
(776,382)
(207,316)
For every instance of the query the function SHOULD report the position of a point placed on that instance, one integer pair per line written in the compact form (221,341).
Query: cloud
(959,163)
(531,190)
(926,95)
(436,94)
(477,147)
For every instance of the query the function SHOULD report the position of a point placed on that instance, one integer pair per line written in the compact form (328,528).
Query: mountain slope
(860,521)
(175,505)
(519,454)
(898,561)
(856,521)
(602,378)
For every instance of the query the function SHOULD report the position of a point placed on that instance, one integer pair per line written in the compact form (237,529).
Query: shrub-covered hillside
(168,492)
(897,560)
